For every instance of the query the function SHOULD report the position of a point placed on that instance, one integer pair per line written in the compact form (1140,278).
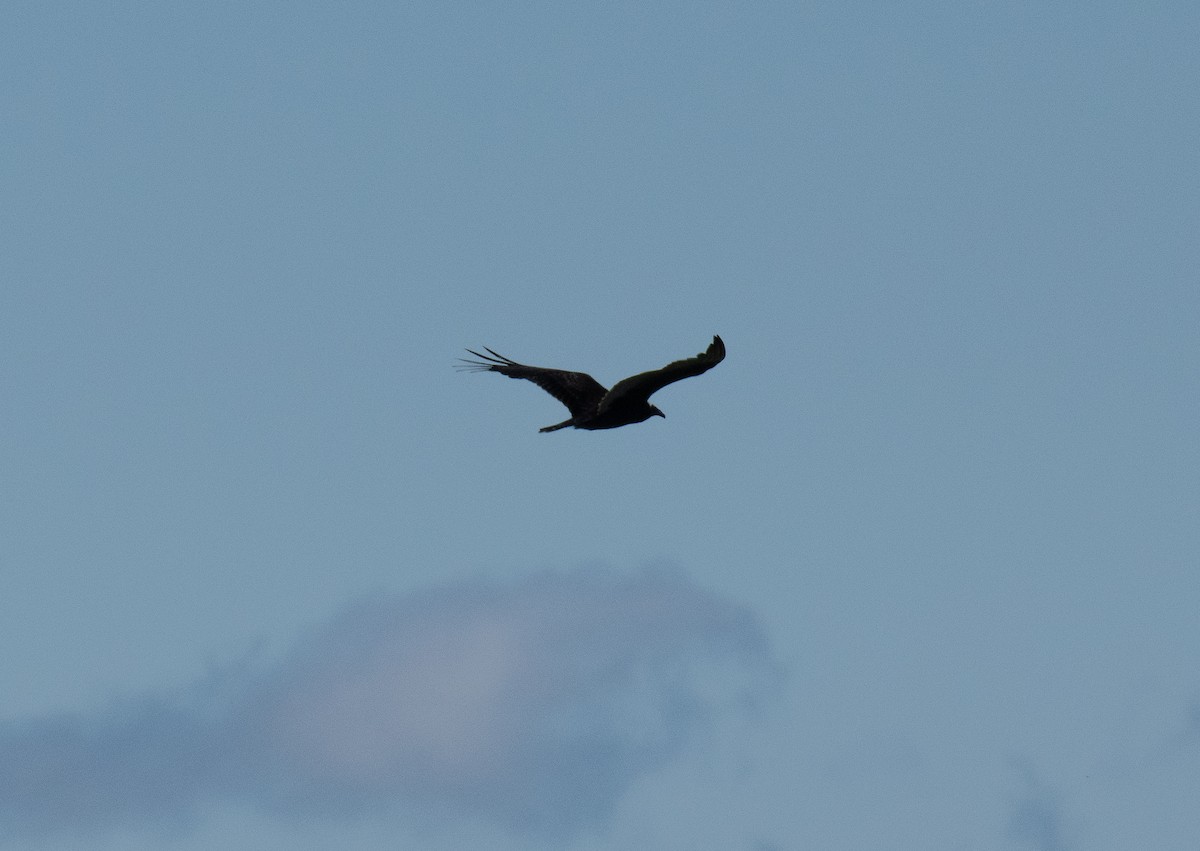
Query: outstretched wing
(643,385)
(578,391)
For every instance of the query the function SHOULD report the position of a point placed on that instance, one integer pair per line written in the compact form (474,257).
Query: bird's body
(592,406)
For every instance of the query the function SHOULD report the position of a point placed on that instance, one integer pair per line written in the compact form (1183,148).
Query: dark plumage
(592,406)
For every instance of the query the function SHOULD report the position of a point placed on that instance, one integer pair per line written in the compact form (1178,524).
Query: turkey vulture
(592,406)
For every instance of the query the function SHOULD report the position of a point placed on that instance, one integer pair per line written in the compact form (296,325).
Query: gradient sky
(916,567)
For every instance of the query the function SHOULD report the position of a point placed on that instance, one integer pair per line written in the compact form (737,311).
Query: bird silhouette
(591,405)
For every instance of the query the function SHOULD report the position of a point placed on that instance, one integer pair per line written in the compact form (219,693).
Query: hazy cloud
(1035,818)
(534,704)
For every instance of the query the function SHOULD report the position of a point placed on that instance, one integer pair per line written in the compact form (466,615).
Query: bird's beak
(660,413)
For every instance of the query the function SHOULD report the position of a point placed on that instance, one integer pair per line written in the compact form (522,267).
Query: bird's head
(656,412)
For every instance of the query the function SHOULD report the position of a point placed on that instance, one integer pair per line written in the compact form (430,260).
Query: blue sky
(915,567)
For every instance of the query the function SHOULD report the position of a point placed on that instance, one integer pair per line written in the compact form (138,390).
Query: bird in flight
(590,404)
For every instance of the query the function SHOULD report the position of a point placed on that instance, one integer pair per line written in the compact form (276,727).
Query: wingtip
(489,361)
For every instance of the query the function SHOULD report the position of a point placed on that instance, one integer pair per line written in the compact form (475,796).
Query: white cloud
(532,704)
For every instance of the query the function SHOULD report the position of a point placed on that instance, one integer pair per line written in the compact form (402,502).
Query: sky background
(914,568)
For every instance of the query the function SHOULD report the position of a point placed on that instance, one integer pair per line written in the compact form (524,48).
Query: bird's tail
(563,424)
